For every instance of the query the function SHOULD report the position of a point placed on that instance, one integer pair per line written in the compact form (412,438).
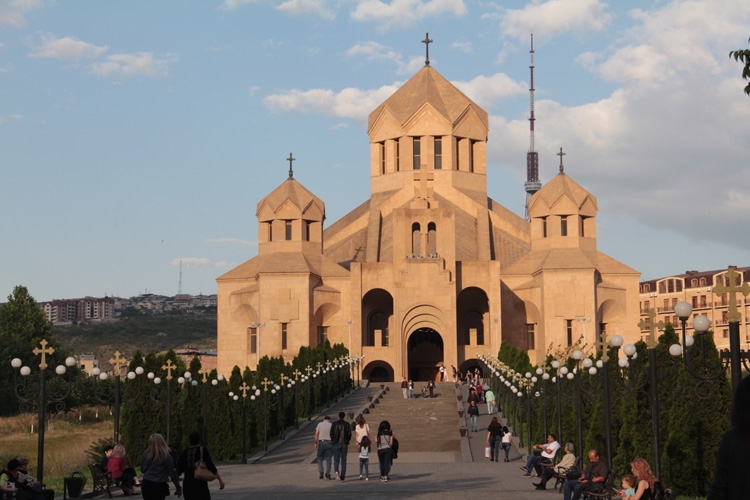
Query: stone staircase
(420,424)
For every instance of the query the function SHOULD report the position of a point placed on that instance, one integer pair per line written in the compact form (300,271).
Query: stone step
(421,424)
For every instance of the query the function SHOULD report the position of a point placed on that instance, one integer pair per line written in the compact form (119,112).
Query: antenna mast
(179,287)
(532,184)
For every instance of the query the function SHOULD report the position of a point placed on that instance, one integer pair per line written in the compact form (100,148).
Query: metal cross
(283,377)
(290,160)
(733,314)
(427,41)
(296,374)
(328,364)
(602,344)
(117,363)
(308,370)
(318,365)
(169,367)
(562,167)
(244,388)
(205,374)
(266,383)
(651,326)
(43,351)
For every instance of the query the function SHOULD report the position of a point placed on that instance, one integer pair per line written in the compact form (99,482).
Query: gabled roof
(285,263)
(294,192)
(428,86)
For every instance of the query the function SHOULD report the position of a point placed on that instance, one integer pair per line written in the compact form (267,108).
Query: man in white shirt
(549,451)
(323,446)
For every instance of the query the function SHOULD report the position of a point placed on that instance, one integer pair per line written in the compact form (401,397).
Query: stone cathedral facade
(430,270)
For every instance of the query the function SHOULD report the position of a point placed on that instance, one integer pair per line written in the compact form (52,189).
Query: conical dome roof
(294,193)
(562,190)
(428,86)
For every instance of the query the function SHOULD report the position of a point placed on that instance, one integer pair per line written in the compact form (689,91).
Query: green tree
(23,324)
(743,56)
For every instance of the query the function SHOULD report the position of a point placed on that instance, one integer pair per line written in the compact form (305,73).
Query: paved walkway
(288,470)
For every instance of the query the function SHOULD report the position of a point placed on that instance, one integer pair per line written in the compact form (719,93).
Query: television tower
(179,287)
(532,184)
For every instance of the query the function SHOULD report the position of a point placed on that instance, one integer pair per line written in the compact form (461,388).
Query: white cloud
(6,68)
(252,90)
(486,90)
(12,11)
(232,241)
(554,17)
(139,63)
(464,47)
(373,51)
(14,117)
(66,49)
(304,7)
(236,4)
(351,103)
(204,262)
(405,13)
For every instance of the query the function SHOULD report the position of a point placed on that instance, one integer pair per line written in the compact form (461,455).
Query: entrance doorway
(425,354)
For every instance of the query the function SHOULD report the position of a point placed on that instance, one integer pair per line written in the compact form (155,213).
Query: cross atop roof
(562,167)
(427,41)
(290,160)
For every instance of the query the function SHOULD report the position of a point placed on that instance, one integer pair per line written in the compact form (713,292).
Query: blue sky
(135,135)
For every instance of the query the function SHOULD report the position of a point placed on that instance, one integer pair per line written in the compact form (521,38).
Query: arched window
(379,323)
(416,238)
(431,238)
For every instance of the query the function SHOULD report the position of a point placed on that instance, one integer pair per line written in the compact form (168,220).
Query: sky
(137,135)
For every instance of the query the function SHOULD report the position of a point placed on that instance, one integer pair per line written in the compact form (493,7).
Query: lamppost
(296,382)
(187,378)
(735,358)
(115,398)
(545,377)
(577,356)
(557,380)
(274,401)
(527,385)
(280,388)
(244,388)
(309,370)
(25,394)
(169,367)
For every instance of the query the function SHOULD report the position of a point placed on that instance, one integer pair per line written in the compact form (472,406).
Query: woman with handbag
(195,462)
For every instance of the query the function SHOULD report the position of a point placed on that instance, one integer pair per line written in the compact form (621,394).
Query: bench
(609,486)
(102,481)
(565,473)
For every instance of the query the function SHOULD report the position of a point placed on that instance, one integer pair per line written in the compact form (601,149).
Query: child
(628,486)
(364,458)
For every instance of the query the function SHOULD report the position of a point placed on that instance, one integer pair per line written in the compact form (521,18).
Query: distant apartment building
(87,363)
(85,309)
(696,288)
(207,358)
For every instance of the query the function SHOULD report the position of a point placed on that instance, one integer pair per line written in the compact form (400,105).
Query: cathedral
(429,271)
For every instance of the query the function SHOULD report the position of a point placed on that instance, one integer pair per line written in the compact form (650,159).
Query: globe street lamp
(25,393)
(244,388)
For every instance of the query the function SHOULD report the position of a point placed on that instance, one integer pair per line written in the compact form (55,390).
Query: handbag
(487,450)
(202,472)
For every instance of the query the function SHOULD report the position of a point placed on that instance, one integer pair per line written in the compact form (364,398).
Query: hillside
(145,332)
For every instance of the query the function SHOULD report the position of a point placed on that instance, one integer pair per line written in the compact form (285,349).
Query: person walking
(323,446)
(405,388)
(385,449)
(494,436)
(473,412)
(431,387)
(505,443)
(411,389)
(158,468)
(361,430)
(489,396)
(196,489)
(341,434)
(364,458)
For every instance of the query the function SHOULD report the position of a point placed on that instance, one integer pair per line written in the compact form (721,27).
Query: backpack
(394,447)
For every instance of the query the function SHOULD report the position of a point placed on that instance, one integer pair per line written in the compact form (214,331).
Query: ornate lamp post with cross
(115,398)
(296,373)
(169,367)
(25,394)
(735,358)
(244,388)
(268,406)
(309,370)
(187,379)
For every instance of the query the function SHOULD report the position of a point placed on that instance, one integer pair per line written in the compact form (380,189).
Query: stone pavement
(288,470)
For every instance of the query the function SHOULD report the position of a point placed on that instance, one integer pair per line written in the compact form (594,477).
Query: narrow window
(666,305)
(647,287)
(270,231)
(322,334)
(253,340)
(694,283)
(283,336)
(288,230)
(662,287)
(308,227)
(674,303)
(382,157)
(544,227)
(398,156)
(417,152)
(569,331)
(530,336)
(670,286)
(432,239)
(471,155)
(703,281)
(563,225)
(583,225)
(416,244)
(678,285)
(384,332)
(695,302)
(438,153)
(703,301)
(725,332)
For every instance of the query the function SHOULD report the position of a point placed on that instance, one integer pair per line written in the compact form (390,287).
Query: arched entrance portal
(425,354)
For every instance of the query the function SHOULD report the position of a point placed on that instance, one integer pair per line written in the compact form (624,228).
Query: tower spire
(179,286)
(532,184)
(291,171)
(427,41)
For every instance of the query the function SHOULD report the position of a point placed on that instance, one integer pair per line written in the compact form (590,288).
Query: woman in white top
(361,430)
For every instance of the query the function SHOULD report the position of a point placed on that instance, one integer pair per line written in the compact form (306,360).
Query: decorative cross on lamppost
(296,374)
(736,356)
(117,363)
(652,342)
